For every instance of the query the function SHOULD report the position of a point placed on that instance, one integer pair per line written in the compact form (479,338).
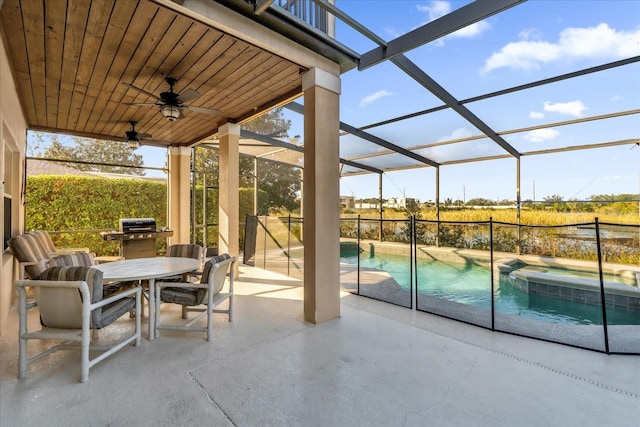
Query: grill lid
(137,225)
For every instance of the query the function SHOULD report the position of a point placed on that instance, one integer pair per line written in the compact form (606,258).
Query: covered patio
(90,69)
(377,365)
(299,352)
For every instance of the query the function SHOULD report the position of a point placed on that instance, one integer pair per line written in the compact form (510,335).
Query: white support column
(229,182)
(179,194)
(321,196)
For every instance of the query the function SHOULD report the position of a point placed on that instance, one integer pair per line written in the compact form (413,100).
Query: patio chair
(86,259)
(31,256)
(33,251)
(71,303)
(202,297)
(80,259)
(190,250)
(184,250)
(45,241)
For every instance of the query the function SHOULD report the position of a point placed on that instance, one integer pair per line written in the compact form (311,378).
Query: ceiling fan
(171,104)
(133,138)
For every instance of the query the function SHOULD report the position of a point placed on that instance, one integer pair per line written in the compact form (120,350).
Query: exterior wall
(13,134)
(321,195)
(179,193)
(228,181)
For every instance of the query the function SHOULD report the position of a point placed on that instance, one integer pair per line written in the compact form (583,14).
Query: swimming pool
(470,283)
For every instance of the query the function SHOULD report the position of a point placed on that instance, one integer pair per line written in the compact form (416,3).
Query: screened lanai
(509,113)
(471,86)
(484,96)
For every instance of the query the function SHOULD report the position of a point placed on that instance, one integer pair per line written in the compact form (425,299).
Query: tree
(557,202)
(271,124)
(279,183)
(479,201)
(90,150)
(554,198)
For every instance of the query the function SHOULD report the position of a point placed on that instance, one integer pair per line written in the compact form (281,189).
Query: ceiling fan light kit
(172,104)
(133,138)
(170,112)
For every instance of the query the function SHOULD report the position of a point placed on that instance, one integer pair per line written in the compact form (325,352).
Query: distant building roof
(46,167)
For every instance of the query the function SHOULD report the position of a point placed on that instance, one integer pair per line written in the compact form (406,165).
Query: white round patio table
(147,269)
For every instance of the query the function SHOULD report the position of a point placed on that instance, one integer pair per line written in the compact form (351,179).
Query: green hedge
(79,207)
(74,209)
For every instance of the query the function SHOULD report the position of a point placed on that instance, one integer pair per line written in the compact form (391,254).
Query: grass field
(618,244)
(527,217)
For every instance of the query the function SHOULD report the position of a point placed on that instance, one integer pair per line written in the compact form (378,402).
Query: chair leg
(84,351)
(184,311)
(22,356)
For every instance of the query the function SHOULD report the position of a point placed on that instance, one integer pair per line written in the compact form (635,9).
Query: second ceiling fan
(172,104)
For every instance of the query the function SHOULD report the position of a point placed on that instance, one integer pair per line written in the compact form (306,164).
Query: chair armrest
(186,285)
(23,264)
(117,296)
(62,251)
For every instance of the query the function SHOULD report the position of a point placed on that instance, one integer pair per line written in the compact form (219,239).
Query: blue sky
(532,41)
(529,42)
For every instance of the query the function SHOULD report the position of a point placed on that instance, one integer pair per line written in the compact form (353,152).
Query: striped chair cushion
(185,251)
(218,280)
(80,259)
(59,309)
(45,240)
(28,248)
(193,297)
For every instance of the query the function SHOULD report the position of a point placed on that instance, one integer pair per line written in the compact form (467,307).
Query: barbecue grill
(137,237)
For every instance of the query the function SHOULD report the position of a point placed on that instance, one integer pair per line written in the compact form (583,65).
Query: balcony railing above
(307,11)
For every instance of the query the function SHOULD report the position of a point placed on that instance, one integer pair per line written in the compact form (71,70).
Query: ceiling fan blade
(204,110)
(144,136)
(129,85)
(188,95)
(139,104)
(155,143)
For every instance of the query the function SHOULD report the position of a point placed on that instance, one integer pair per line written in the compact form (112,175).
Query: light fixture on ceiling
(170,112)
(133,138)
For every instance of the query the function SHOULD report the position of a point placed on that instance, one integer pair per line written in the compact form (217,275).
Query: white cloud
(472,30)
(573,108)
(374,97)
(536,115)
(573,44)
(540,135)
(617,98)
(456,134)
(439,8)
(530,34)
(392,32)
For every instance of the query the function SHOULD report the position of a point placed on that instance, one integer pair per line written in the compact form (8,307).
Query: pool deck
(376,365)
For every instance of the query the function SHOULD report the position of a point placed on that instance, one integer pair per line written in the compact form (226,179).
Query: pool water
(471,284)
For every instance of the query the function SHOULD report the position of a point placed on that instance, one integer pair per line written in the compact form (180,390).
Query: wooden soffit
(69,59)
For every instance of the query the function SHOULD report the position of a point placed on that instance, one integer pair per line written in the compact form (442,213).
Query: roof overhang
(69,60)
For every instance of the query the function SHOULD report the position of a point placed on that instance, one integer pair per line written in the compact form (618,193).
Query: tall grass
(527,216)
(540,232)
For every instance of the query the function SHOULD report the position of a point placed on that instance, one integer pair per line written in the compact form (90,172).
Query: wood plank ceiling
(70,57)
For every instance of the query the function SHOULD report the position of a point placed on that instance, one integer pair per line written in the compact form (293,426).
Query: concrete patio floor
(377,365)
